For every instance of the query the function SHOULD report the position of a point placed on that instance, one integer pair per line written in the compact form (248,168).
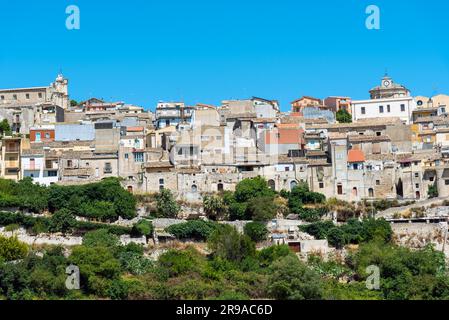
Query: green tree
(100,238)
(194,229)
(143,228)
(343,116)
(227,243)
(5,129)
(290,279)
(12,249)
(73,103)
(252,188)
(167,207)
(215,207)
(62,221)
(257,231)
(336,237)
(261,208)
(432,191)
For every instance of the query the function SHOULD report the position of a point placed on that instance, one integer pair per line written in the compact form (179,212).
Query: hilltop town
(323,190)
(391,146)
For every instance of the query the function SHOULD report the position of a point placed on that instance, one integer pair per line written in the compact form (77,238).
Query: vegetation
(257,231)
(192,230)
(432,191)
(353,232)
(166,204)
(215,207)
(233,270)
(5,129)
(343,116)
(105,201)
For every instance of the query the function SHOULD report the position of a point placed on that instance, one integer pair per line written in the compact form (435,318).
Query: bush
(290,279)
(227,243)
(195,229)
(261,208)
(12,249)
(256,231)
(62,221)
(143,228)
(166,204)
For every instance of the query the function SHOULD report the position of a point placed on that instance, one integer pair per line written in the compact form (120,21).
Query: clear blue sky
(142,51)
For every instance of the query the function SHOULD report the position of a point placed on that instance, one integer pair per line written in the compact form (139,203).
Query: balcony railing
(12,149)
(12,164)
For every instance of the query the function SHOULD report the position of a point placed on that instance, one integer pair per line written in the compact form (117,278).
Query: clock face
(387,83)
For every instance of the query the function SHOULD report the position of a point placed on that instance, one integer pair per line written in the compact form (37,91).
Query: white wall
(372,109)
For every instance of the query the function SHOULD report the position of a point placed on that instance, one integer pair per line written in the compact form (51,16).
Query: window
(417,186)
(138,156)
(371,192)
(381,109)
(40,94)
(52,173)
(388,108)
(287,168)
(38,136)
(416,175)
(2,97)
(27,96)
(378,134)
(126,156)
(220,187)
(47,135)
(402,107)
(363,110)
(69,163)
(321,185)
(431,179)
(14,97)
(161,181)
(339,189)
(107,167)
(272,184)
(377,182)
(446,182)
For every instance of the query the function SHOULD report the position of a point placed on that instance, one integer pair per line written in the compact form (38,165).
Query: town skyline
(192,53)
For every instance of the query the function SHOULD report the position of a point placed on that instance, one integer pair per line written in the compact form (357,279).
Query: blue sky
(142,51)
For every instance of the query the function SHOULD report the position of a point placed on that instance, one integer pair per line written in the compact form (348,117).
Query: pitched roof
(356,156)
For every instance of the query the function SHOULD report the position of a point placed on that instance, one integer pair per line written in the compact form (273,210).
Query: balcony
(15,149)
(12,164)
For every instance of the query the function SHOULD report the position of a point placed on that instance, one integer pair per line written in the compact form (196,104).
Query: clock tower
(389,89)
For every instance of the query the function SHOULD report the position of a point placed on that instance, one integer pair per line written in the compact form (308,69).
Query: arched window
(194,188)
(354,192)
(220,187)
(272,184)
(130,189)
(293,184)
(371,192)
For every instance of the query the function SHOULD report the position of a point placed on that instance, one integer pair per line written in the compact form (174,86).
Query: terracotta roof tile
(356,156)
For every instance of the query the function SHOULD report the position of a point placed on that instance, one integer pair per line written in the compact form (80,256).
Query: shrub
(12,249)
(256,231)
(166,204)
(62,221)
(143,228)
(195,229)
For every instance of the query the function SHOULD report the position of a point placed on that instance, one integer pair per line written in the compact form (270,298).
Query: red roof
(135,129)
(356,156)
(285,136)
